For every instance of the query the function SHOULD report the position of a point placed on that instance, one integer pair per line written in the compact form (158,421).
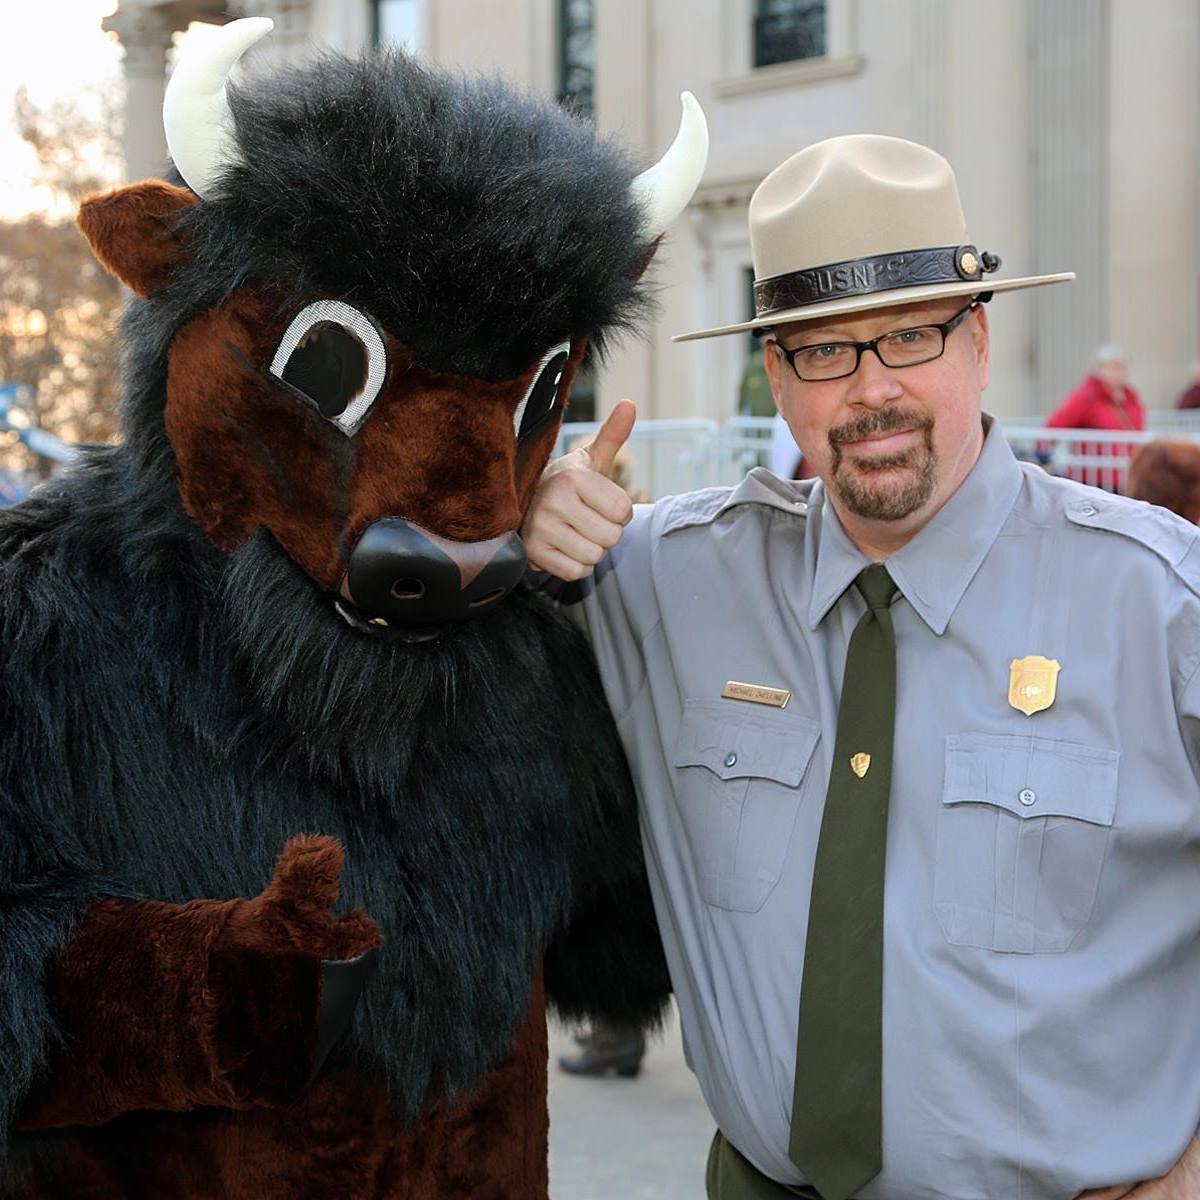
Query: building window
(576,55)
(785,30)
(398,23)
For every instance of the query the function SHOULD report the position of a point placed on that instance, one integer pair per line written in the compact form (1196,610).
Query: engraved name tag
(756,693)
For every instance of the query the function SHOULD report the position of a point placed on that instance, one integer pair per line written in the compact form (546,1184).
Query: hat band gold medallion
(1032,683)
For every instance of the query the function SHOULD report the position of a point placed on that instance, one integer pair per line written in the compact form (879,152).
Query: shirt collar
(934,569)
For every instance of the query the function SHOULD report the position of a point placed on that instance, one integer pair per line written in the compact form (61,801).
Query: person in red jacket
(1104,400)
(1191,397)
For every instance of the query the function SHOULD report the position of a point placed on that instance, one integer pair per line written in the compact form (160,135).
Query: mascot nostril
(408,589)
(402,575)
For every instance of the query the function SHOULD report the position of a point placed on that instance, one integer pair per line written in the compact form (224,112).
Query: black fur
(169,716)
(477,224)
(164,729)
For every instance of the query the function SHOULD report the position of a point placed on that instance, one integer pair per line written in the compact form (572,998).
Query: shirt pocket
(738,775)
(1022,836)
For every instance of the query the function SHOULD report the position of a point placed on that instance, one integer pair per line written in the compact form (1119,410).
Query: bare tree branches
(57,305)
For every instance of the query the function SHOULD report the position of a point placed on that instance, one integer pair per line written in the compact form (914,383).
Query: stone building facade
(1074,127)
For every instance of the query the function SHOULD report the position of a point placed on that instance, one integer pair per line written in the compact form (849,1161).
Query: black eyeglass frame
(945,329)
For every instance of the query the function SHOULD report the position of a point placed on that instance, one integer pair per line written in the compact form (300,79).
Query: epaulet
(760,487)
(693,508)
(1172,538)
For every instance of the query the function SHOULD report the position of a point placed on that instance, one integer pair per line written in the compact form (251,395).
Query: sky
(57,49)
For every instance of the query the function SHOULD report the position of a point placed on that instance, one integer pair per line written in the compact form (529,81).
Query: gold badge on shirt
(860,764)
(1032,683)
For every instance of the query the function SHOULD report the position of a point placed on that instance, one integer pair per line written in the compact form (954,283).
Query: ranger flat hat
(861,222)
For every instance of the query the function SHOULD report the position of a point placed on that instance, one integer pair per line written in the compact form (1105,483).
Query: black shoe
(600,1057)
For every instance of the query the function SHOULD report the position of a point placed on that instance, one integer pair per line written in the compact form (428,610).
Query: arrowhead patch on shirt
(1032,683)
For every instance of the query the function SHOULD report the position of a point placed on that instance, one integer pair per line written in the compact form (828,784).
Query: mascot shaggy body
(244,631)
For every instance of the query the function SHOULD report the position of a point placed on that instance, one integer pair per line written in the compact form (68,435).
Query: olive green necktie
(835,1136)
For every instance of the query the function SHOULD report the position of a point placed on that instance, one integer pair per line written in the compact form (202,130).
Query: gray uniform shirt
(1041,1003)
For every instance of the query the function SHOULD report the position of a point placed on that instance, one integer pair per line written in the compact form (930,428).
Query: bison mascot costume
(284,623)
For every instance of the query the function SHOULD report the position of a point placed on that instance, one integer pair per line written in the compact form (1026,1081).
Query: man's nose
(873,385)
(409,576)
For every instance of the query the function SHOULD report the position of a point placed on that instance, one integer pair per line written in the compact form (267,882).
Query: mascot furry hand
(283,623)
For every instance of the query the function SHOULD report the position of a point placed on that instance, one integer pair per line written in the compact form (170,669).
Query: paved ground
(628,1139)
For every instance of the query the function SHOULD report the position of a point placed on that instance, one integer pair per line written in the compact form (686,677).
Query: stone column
(291,41)
(624,104)
(145,34)
(1067,112)
(1153,190)
(984,134)
(342,25)
(931,49)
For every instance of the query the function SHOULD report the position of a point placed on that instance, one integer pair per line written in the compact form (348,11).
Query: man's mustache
(887,420)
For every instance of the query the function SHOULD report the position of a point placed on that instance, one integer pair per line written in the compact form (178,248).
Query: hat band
(861,276)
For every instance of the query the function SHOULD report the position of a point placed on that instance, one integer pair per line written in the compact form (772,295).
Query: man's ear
(133,231)
(773,369)
(981,338)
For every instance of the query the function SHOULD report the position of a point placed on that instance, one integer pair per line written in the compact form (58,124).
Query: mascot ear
(134,233)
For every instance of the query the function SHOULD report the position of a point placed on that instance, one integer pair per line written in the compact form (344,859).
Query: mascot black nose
(408,576)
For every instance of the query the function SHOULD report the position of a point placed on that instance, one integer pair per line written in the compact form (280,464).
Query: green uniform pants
(732,1177)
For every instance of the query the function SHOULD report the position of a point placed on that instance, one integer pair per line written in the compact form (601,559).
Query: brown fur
(438,449)
(212,1068)
(132,232)
(174,1036)
(344,1141)
(1167,473)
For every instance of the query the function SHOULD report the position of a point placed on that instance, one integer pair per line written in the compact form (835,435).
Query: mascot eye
(333,355)
(543,393)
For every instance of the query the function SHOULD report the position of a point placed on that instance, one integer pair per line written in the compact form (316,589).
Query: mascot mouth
(381,627)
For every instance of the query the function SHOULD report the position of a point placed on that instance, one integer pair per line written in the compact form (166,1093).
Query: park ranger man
(916,742)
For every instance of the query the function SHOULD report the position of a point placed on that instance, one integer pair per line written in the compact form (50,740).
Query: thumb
(306,875)
(614,433)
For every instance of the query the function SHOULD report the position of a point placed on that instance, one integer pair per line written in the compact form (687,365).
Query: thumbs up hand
(578,514)
(613,434)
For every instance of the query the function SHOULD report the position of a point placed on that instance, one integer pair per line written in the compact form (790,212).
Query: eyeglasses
(902,348)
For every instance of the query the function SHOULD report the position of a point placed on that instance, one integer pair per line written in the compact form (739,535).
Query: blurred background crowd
(1074,127)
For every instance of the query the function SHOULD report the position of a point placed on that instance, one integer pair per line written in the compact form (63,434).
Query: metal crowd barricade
(684,454)
(745,443)
(681,455)
(666,456)
(1099,457)
(15,418)
(1167,422)
(1174,422)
